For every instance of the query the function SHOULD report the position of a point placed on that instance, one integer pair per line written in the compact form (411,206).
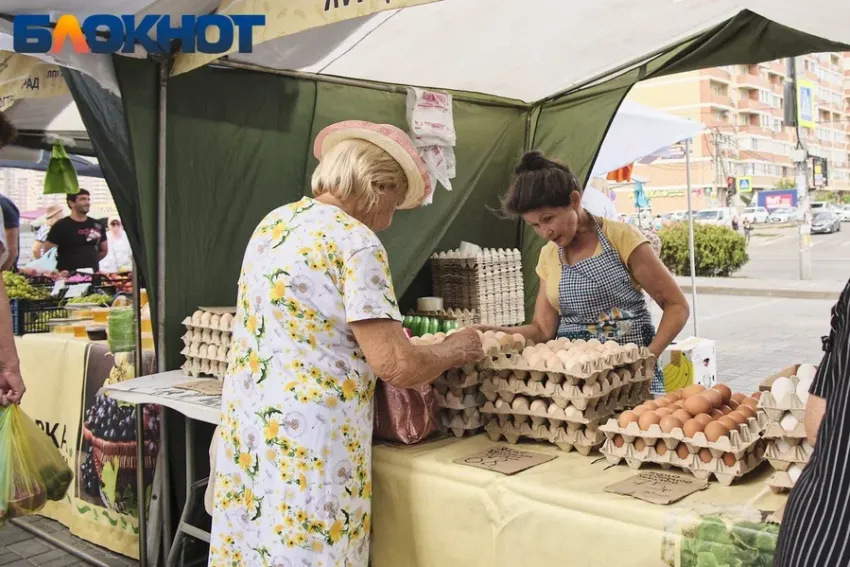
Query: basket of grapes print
(109,470)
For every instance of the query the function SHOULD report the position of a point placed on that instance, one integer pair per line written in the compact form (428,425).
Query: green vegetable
(715,544)
(415,321)
(95,298)
(406,321)
(434,326)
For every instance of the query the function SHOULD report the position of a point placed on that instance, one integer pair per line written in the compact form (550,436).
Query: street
(774,254)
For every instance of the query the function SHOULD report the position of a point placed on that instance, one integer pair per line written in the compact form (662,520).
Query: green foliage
(714,543)
(786,183)
(718,250)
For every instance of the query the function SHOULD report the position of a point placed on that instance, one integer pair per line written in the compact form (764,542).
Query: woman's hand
(468,343)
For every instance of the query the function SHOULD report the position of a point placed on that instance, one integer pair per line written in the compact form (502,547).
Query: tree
(786,183)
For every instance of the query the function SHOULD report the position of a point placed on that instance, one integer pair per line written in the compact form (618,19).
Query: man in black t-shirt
(80,240)
(12,228)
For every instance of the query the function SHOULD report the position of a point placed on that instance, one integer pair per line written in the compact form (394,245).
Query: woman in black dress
(816,522)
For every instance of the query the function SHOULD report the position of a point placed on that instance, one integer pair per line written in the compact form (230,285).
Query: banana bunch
(122,370)
(679,373)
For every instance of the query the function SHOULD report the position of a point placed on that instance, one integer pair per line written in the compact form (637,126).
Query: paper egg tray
(204,351)
(222,327)
(745,461)
(590,372)
(737,442)
(455,379)
(781,461)
(196,367)
(566,437)
(781,481)
(207,336)
(774,430)
(776,409)
(462,422)
(453,398)
(563,394)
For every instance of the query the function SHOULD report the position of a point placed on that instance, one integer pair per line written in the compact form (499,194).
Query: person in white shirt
(120,255)
(596,200)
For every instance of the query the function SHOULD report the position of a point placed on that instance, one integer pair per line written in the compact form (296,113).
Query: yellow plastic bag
(32,470)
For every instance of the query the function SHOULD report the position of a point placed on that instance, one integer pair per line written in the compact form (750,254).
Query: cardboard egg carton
(745,461)
(462,422)
(203,351)
(574,373)
(212,318)
(196,367)
(736,442)
(206,336)
(773,407)
(583,440)
(563,394)
(781,481)
(458,379)
(774,430)
(782,460)
(451,398)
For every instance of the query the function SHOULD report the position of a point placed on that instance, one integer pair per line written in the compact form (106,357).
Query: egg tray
(187,322)
(781,460)
(563,394)
(207,336)
(736,442)
(468,398)
(196,367)
(600,410)
(774,430)
(467,421)
(202,352)
(582,440)
(457,381)
(587,373)
(776,409)
(745,461)
(781,481)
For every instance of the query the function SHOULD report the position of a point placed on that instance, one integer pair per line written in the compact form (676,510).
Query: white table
(160,389)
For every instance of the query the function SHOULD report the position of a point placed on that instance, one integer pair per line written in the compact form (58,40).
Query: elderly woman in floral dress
(317,320)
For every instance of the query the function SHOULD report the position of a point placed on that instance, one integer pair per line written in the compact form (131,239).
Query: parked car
(785,214)
(843,213)
(825,222)
(755,214)
(722,216)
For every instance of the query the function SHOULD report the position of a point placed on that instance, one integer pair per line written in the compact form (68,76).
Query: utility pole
(718,174)
(800,155)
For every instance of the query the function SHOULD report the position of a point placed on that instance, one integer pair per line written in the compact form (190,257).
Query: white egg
(781,388)
(499,403)
(520,403)
(807,447)
(555,364)
(782,446)
(803,391)
(794,471)
(196,317)
(593,343)
(572,368)
(535,361)
(611,346)
(528,351)
(788,422)
(579,342)
(806,372)
(539,406)
(563,342)
(564,356)
(215,321)
(591,389)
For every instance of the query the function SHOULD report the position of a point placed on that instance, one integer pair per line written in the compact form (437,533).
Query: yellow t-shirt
(623,237)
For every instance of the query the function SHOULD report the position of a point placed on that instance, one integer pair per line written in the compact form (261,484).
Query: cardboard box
(687,362)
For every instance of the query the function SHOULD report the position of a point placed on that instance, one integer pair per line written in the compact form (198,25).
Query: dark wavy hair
(539,182)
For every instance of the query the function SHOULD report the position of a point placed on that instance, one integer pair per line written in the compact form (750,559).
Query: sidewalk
(791,289)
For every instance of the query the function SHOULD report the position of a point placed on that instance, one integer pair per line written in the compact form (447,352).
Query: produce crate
(33,316)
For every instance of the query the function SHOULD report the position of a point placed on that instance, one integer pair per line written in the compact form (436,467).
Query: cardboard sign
(77,290)
(206,386)
(505,460)
(57,287)
(658,487)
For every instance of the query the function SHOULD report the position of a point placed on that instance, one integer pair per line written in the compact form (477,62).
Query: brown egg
(648,419)
(662,403)
(725,410)
(640,444)
(752,402)
(746,410)
(756,396)
(732,404)
(715,430)
(650,405)
(705,455)
(661,448)
(692,390)
(738,417)
(713,396)
(626,418)
(669,423)
(682,451)
(724,390)
(729,459)
(691,428)
(738,397)
(640,410)
(664,411)
(682,415)
(716,414)
(703,418)
(673,397)
(728,422)
(696,405)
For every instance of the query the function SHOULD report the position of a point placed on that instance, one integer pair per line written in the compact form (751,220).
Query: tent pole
(691,236)
(362,84)
(165,486)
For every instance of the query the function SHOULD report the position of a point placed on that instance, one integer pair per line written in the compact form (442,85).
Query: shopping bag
(32,470)
(61,177)
(45,264)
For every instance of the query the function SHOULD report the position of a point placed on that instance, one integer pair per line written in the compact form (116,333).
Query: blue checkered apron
(598,301)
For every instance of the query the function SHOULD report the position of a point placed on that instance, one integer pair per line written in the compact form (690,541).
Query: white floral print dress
(293,483)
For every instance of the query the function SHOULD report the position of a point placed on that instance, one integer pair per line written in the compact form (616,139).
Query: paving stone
(67,561)
(50,556)
(31,548)
(11,534)
(7,557)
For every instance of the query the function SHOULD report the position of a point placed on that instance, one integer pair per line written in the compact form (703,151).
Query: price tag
(77,290)
(58,287)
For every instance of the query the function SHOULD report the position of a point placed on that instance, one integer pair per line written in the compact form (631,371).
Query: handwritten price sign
(658,487)
(505,460)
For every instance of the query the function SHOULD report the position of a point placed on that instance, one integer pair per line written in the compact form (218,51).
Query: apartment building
(25,188)
(743,109)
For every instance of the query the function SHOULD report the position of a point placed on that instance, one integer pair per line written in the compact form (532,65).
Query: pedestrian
(817,516)
(80,240)
(51,215)
(748,229)
(735,223)
(120,257)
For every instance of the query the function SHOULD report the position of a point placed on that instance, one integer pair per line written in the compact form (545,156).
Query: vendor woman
(592,270)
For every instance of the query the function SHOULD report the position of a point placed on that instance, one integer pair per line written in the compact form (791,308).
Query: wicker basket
(105,451)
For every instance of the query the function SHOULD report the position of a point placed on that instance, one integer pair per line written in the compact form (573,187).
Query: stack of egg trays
(206,343)
(459,400)
(563,408)
(785,447)
(745,444)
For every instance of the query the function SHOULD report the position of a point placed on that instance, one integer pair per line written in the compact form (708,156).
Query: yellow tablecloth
(429,511)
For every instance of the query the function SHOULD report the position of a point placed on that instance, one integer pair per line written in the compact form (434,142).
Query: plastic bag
(32,470)
(61,177)
(45,264)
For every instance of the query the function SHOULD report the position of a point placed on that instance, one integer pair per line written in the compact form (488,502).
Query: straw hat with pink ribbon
(392,140)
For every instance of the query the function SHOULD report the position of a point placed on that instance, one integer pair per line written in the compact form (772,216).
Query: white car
(721,217)
(843,213)
(785,214)
(755,214)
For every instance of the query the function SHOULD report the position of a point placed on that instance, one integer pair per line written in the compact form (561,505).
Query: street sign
(744,184)
(805,103)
